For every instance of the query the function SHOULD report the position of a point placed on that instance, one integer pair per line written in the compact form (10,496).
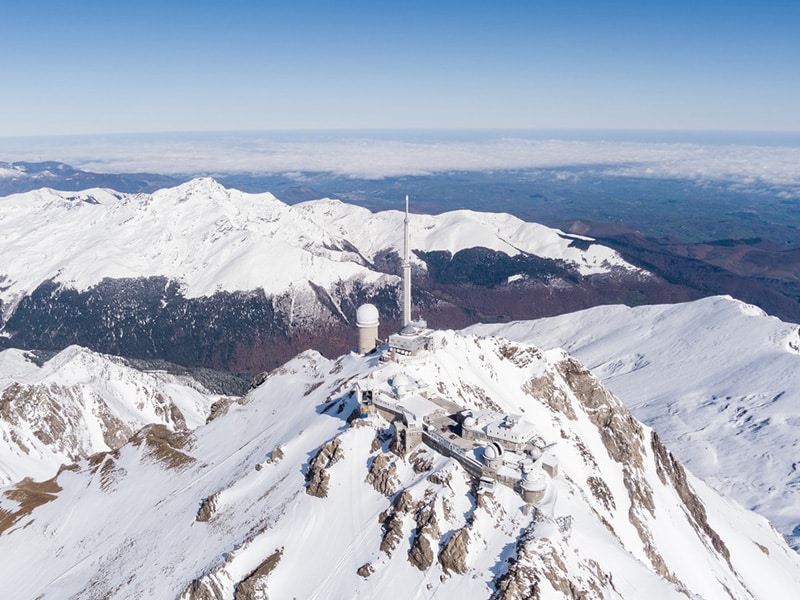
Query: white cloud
(370,157)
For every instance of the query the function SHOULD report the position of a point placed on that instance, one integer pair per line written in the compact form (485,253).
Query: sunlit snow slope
(717,378)
(224,512)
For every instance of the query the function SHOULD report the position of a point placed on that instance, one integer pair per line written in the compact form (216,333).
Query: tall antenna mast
(406,274)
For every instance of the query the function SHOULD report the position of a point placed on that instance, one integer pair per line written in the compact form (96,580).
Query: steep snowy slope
(289,493)
(718,379)
(79,403)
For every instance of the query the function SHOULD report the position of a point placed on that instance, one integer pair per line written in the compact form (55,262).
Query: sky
(92,67)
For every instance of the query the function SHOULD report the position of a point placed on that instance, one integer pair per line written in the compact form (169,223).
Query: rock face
(254,586)
(383,475)
(453,556)
(317,477)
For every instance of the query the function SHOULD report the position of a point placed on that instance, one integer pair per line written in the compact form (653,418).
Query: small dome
(534,482)
(401,380)
(492,451)
(408,330)
(366,315)
(469,422)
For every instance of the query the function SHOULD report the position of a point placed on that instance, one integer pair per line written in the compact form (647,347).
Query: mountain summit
(479,468)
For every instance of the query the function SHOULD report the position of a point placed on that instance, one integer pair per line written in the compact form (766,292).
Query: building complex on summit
(492,447)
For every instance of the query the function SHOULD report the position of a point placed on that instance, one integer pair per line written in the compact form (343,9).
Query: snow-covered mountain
(79,403)
(166,274)
(211,239)
(718,379)
(290,492)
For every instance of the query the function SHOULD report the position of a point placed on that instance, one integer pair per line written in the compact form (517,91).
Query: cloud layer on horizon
(373,158)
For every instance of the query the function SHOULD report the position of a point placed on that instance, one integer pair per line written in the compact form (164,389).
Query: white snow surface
(81,402)
(210,239)
(125,526)
(717,378)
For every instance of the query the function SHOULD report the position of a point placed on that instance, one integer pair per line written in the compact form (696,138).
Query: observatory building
(367,322)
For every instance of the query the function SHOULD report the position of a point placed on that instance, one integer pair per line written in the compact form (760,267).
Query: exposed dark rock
(208,507)
(254,586)
(392,528)
(365,570)
(421,553)
(453,556)
(317,477)
(383,475)
(203,589)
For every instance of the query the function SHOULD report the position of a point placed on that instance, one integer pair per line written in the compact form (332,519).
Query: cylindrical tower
(367,323)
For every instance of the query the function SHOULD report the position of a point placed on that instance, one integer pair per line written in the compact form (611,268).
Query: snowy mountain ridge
(213,239)
(79,403)
(289,492)
(717,378)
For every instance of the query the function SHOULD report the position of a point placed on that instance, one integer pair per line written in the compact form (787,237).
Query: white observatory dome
(493,451)
(366,315)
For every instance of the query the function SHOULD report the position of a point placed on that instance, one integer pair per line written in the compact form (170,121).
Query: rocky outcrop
(421,553)
(207,588)
(622,434)
(544,389)
(254,586)
(453,556)
(317,477)
(383,475)
(208,507)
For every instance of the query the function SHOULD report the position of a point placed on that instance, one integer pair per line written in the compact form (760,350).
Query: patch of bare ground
(254,586)
(205,588)
(163,446)
(28,495)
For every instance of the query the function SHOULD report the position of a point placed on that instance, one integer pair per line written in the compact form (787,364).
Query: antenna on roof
(406,273)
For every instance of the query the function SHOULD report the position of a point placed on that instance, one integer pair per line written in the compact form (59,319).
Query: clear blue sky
(87,67)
